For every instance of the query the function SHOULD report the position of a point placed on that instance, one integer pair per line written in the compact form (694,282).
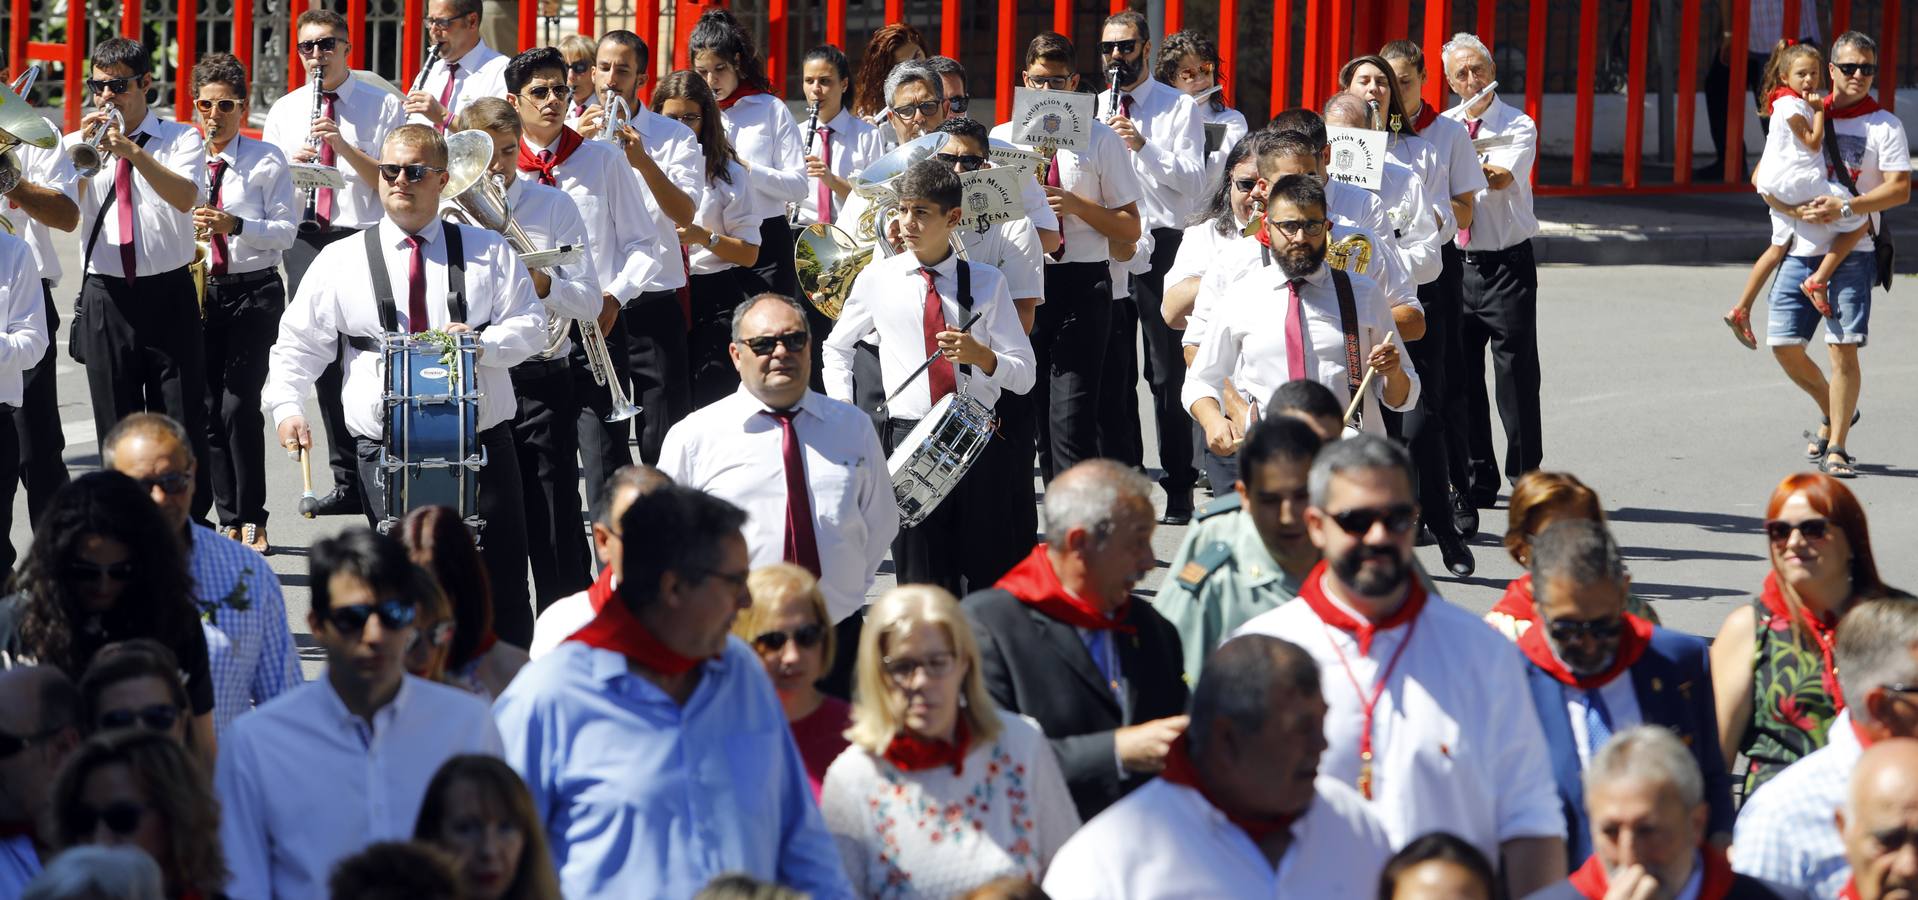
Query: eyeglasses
(441,24)
(81,570)
(793,341)
(156,718)
(12,744)
(1048,82)
(690,120)
(413,172)
(122,818)
(1292,228)
(964,162)
(916,110)
(1245,185)
(224,105)
(393,613)
(1568,630)
(541,92)
(958,104)
(736,579)
(115,85)
(1852,69)
(579,68)
(174,483)
(437,635)
(1196,73)
(1123,48)
(323,45)
(1398,518)
(1780,530)
(901,669)
(806,636)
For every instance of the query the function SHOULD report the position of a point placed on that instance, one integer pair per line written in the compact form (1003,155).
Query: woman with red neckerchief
(1540,499)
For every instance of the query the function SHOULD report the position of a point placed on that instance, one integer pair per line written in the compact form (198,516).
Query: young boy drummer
(917,302)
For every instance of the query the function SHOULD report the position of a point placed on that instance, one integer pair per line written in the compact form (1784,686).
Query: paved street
(1647,398)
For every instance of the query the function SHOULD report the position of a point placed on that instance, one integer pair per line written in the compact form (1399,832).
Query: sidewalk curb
(1616,247)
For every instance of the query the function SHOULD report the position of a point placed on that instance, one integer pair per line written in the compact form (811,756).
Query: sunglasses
(1780,530)
(1851,69)
(393,613)
(1292,228)
(156,718)
(1398,519)
(916,110)
(1123,48)
(579,68)
(80,570)
(900,670)
(1048,82)
(174,483)
(958,104)
(965,162)
(1245,185)
(806,636)
(1568,630)
(437,635)
(414,172)
(121,818)
(116,85)
(224,105)
(793,341)
(323,45)
(541,92)
(12,744)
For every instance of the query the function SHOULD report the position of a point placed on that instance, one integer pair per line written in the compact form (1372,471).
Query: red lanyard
(1368,704)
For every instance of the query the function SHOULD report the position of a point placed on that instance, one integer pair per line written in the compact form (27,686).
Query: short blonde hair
(422,138)
(773,585)
(578,46)
(490,114)
(875,720)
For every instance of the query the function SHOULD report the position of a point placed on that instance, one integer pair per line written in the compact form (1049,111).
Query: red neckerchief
(601,590)
(569,140)
(1824,634)
(737,95)
(1591,880)
(911,753)
(1035,584)
(1313,593)
(1851,890)
(1631,646)
(1427,115)
(1517,600)
(1865,740)
(1782,91)
(1180,770)
(615,628)
(1863,107)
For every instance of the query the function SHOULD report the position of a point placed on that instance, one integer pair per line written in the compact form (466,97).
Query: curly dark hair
(177,789)
(869,86)
(437,540)
(156,602)
(1181,44)
(718,31)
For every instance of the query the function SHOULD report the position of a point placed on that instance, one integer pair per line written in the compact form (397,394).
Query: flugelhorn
(618,115)
(87,156)
(19,124)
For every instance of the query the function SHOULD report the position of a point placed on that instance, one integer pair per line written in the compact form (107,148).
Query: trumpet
(87,156)
(618,116)
(310,220)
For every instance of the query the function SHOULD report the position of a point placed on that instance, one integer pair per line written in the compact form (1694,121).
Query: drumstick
(309,504)
(926,365)
(1365,383)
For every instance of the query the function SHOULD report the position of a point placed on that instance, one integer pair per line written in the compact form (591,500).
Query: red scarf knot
(615,628)
(1864,107)
(1313,593)
(1850,891)
(1035,584)
(1591,880)
(601,590)
(1180,770)
(741,93)
(1631,646)
(1824,633)
(1427,115)
(1782,91)
(909,752)
(569,140)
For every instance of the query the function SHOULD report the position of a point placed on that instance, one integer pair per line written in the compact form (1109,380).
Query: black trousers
(339,441)
(839,681)
(9,485)
(1165,365)
(714,297)
(1120,435)
(776,271)
(602,446)
(145,353)
(940,549)
(1501,310)
(1435,356)
(655,329)
(1718,85)
(502,537)
(1006,467)
(42,443)
(242,320)
(548,446)
(1070,334)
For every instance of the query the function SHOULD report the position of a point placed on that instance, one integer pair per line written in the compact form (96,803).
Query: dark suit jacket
(1673,685)
(1744,887)
(1037,666)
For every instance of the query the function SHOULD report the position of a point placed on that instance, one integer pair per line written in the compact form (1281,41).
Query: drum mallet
(309,504)
(1365,384)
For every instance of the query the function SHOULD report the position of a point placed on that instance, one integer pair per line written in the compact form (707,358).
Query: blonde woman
(940,792)
(789,628)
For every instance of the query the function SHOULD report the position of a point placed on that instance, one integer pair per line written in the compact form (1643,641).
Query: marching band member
(249,219)
(1414,209)
(1232,202)
(545,429)
(353,119)
(722,241)
(137,316)
(885,50)
(764,138)
(1190,62)
(467,69)
(1095,194)
(582,57)
(944,290)
(952,81)
(411,247)
(666,158)
(1307,152)
(838,147)
(24,339)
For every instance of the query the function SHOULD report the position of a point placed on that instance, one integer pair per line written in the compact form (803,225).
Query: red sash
(741,93)
(1864,107)
(1180,770)
(1631,646)
(1035,584)
(615,628)
(569,140)
(912,753)
(1823,633)
(1591,880)
(1313,593)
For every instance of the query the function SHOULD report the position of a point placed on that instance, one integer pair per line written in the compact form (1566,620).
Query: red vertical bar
(1788,23)
(189,42)
(527,28)
(836,23)
(685,14)
(589,17)
(76,55)
(293,11)
(776,45)
(1062,17)
(129,22)
(647,27)
(1281,53)
(1002,82)
(356,20)
(1114,8)
(243,36)
(949,28)
(895,11)
(1174,16)
(20,17)
(1687,93)
(1438,27)
(1635,91)
(1342,20)
(1888,55)
(1398,20)
(1582,123)
(412,37)
(1840,17)
(1315,52)
(1487,22)
(1536,20)
(1229,45)
(1735,108)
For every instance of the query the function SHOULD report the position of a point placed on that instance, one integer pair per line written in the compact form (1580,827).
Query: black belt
(1495,254)
(537,368)
(170,273)
(245,279)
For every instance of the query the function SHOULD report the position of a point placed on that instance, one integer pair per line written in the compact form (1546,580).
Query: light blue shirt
(249,649)
(1785,833)
(19,865)
(644,797)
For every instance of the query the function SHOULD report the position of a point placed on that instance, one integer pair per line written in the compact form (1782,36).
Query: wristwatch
(712,240)
(239,225)
(1844,210)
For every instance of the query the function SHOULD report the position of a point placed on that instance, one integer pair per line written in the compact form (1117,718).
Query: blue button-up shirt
(19,864)
(644,797)
(249,647)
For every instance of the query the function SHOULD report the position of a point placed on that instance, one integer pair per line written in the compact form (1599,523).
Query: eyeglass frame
(391,172)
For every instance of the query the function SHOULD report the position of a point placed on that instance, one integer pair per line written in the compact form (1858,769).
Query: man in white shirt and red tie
(344,316)
(1405,675)
(920,302)
(138,317)
(249,216)
(353,119)
(466,70)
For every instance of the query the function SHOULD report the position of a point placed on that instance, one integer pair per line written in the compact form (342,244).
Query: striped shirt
(1786,834)
(248,642)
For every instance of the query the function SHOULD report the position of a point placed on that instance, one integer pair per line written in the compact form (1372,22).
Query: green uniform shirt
(1221,577)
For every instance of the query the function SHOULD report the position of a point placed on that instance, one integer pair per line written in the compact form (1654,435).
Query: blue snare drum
(430,455)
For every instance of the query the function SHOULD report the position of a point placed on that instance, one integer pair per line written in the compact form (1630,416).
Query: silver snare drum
(430,455)
(928,464)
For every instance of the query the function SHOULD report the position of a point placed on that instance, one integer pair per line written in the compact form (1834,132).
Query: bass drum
(430,455)
(928,464)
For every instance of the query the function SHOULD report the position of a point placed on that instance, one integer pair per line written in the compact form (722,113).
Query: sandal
(1844,467)
(1815,291)
(1740,322)
(1816,450)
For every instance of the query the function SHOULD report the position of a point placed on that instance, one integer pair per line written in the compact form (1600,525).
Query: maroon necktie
(825,158)
(446,94)
(1052,180)
(323,200)
(802,546)
(1294,334)
(1465,234)
(1125,105)
(218,178)
(546,169)
(416,320)
(939,376)
(129,232)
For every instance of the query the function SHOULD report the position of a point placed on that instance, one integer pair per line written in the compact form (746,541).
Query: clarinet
(432,57)
(812,136)
(310,220)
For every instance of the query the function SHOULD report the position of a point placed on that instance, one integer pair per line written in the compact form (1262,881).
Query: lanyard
(1367,704)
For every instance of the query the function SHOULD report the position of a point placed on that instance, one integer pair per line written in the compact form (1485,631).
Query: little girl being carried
(1793,170)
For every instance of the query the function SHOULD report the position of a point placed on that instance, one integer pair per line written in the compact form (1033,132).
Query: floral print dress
(1793,701)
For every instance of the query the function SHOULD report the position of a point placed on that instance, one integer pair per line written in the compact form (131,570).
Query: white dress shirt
(1171,164)
(1504,218)
(1102,174)
(560,621)
(1235,131)
(355,782)
(257,187)
(23,333)
(1445,759)
(364,114)
(1456,158)
(500,304)
(481,73)
(1420,217)
(1178,845)
(1201,248)
(620,227)
(551,219)
(890,298)
(729,208)
(676,151)
(768,141)
(50,169)
(1243,337)
(1013,248)
(164,235)
(855,144)
(733,449)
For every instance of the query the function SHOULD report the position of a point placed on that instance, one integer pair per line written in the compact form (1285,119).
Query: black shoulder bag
(1886,253)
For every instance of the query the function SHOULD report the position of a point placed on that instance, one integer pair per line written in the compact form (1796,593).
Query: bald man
(1879,822)
(249,646)
(39,726)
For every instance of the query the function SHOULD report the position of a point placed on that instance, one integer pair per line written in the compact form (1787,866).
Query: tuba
(19,124)
(1352,253)
(829,258)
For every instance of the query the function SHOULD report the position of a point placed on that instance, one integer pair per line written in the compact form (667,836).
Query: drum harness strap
(1349,322)
(383,286)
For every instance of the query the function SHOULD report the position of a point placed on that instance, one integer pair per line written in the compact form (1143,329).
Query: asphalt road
(1683,433)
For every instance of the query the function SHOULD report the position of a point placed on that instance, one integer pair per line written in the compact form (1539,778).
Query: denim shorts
(1793,318)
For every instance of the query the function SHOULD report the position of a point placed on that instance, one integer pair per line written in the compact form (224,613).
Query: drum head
(902,454)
